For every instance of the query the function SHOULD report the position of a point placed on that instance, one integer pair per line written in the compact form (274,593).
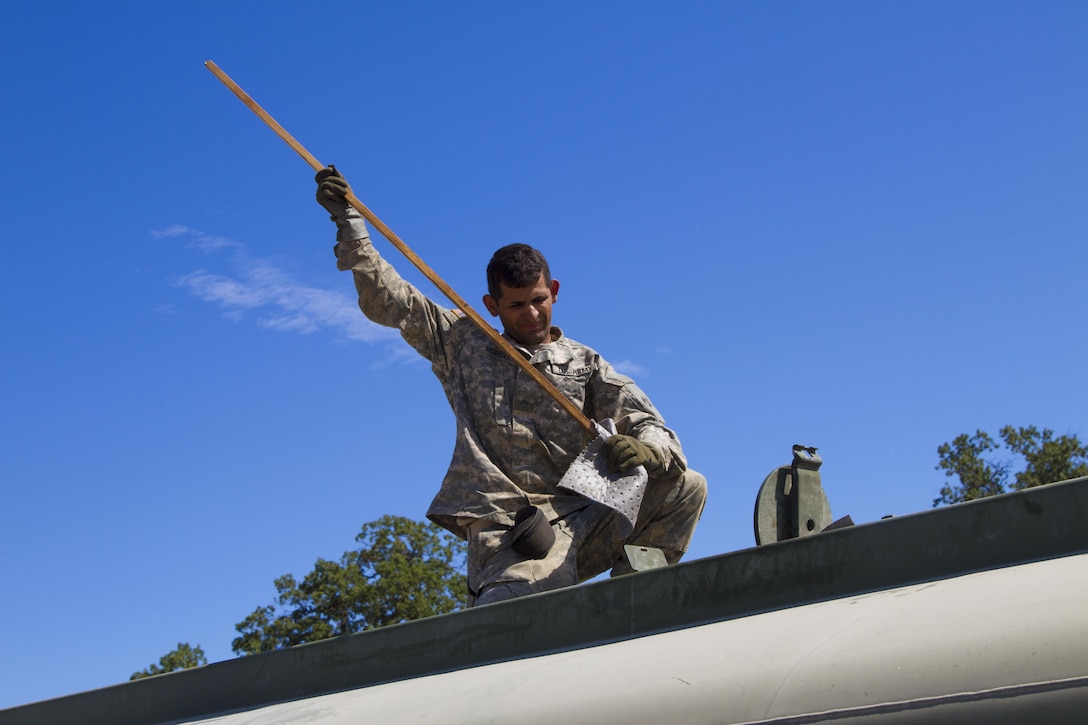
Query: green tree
(1049,459)
(403,570)
(962,458)
(181,658)
(1046,459)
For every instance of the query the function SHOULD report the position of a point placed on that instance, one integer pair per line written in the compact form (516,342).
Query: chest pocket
(571,381)
(557,430)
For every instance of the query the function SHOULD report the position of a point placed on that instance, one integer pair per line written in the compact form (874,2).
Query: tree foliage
(1045,458)
(181,658)
(978,477)
(403,570)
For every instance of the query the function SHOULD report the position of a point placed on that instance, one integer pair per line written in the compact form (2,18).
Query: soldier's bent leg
(496,571)
(666,520)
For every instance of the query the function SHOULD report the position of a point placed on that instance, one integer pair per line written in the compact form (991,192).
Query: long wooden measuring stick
(386,232)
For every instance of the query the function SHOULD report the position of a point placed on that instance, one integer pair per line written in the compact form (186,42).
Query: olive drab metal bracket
(643,558)
(791,502)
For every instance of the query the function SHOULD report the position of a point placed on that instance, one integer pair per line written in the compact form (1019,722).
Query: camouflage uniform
(514,442)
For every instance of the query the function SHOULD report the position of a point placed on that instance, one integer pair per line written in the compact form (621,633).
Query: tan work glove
(624,453)
(332,191)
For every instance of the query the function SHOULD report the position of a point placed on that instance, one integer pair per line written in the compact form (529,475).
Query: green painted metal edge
(1032,525)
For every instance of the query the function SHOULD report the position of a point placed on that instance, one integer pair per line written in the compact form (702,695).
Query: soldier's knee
(692,486)
(502,591)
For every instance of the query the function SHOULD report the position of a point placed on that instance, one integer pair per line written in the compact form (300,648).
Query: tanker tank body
(968,613)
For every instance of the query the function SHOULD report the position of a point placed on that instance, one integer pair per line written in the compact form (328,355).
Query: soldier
(514,442)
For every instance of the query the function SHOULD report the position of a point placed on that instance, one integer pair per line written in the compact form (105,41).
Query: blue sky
(852,225)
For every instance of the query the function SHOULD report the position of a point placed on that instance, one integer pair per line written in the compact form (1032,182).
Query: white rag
(590,476)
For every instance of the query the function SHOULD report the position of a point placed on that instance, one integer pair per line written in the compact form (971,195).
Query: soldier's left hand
(625,452)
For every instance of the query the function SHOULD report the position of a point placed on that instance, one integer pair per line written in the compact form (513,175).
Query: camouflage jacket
(514,442)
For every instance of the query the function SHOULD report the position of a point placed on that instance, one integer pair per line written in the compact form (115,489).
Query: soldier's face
(526,312)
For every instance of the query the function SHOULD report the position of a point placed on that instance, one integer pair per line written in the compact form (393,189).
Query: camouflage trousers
(587,543)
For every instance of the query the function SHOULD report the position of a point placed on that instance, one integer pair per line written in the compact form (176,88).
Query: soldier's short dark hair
(516,265)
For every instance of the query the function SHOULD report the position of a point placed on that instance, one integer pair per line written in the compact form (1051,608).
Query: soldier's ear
(491,305)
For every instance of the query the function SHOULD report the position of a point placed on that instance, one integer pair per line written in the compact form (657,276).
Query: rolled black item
(532,535)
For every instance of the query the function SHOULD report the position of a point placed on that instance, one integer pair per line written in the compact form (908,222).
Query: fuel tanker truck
(976,612)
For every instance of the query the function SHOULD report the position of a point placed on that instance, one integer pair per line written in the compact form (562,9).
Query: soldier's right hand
(332,189)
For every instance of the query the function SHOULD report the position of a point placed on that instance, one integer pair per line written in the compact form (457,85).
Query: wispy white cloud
(174,230)
(277,302)
(194,239)
(631,369)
